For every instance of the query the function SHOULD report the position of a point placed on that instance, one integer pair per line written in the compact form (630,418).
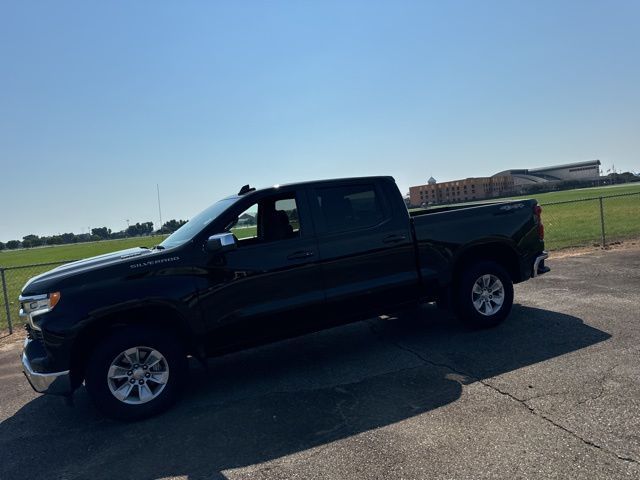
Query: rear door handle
(394,238)
(301,254)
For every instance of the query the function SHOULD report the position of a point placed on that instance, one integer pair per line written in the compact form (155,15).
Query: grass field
(75,251)
(566,225)
(578,223)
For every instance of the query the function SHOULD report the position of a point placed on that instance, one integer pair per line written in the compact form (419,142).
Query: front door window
(270,219)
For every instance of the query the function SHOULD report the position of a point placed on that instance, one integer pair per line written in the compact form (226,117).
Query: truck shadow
(289,397)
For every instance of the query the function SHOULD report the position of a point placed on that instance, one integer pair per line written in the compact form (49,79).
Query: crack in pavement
(416,354)
(602,382)
(524,403)
(601,389)
(556,424)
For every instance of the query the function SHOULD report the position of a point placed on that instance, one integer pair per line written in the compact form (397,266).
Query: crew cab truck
(264,265)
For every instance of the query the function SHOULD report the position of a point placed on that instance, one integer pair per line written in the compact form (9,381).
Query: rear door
(366,251)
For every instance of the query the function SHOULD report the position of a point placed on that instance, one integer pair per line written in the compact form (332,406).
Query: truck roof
(245,190)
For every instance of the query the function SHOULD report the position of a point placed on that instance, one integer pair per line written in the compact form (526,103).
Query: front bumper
(55,383)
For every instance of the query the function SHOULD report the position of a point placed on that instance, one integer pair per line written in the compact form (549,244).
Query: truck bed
(445,234)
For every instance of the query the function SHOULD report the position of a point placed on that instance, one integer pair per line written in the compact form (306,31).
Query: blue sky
(100,101)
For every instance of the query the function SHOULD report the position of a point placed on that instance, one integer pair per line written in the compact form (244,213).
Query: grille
(37,335)
(34,334)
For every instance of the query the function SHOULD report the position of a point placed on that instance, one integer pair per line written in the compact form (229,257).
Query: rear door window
(350,207)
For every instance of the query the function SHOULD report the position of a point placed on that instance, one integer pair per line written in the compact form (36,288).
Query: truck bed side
(449,238)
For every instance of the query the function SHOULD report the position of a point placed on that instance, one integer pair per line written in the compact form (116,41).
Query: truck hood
(84,266)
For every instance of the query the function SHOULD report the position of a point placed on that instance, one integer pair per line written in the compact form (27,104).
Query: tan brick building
(507,182)
(466,190)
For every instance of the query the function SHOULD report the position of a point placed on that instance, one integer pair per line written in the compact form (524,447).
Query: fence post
(6,300)
(602,223)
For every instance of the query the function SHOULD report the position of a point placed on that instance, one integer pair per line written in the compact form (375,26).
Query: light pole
(159,209)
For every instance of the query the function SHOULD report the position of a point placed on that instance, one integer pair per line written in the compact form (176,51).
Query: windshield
(197,223)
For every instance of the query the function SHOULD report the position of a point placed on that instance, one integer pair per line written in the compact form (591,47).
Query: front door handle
(394,238)
(301,254)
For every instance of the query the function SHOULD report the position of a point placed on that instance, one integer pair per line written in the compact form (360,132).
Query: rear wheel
(484,295)
(136,372)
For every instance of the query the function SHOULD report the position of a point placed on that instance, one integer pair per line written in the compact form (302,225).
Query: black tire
(99,362)
(489,314)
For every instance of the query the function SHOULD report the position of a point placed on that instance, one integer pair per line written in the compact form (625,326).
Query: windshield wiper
(158,247)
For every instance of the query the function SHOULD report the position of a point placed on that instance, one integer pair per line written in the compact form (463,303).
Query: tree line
(97,234)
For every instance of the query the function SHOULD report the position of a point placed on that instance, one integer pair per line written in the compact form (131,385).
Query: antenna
(159,209)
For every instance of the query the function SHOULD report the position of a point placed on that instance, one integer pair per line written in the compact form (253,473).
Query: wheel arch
(153,315)
(500,252)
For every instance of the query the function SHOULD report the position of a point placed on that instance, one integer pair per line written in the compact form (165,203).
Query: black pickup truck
(264,265)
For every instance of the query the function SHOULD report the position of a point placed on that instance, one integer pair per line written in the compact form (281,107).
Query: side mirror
(221,243)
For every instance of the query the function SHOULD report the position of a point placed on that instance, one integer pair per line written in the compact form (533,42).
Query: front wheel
(136,372)
(484,295)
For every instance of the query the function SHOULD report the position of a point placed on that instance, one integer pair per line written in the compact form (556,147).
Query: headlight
(35,305)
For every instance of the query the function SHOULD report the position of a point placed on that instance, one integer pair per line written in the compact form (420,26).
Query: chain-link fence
(12,279)
(598,221)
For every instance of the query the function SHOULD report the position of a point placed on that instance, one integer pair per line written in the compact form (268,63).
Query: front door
(270,286)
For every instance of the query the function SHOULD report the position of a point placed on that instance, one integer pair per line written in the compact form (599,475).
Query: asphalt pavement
(554,392)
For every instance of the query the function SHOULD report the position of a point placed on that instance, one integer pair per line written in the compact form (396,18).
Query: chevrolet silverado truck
(261,266)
